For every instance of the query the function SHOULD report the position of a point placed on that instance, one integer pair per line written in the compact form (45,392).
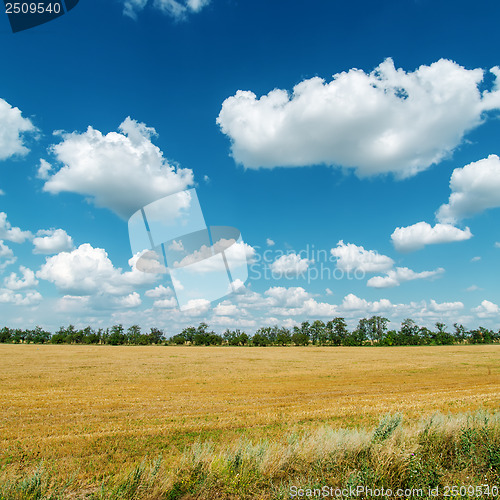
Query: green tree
(134,335)
(155,336)
(117,335)
(338,331)
(409,333)
(441,336)
(283,337)
(5,335)
(318,332)
(377,328)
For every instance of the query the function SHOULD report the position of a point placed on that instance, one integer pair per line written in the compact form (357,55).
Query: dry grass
(94,411)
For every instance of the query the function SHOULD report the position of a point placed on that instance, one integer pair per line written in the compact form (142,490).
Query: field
(91,413)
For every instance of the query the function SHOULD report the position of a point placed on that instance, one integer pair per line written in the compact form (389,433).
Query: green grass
(441,451)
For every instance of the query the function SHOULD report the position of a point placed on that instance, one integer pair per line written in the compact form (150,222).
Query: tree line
(369,331)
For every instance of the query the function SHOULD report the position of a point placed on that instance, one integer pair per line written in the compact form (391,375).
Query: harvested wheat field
(91,412)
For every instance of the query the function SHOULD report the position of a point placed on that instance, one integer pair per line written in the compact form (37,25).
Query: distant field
(93,411)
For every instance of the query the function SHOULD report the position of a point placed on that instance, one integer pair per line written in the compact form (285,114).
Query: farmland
(90,413)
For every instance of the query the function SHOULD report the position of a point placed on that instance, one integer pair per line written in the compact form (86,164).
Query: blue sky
(246,109)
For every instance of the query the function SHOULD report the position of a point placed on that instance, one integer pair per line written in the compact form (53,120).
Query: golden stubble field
(98,409)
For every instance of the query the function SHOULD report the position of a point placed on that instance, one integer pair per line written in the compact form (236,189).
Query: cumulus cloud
(28,280)
(445,306)
(159,292)
(353,306)
(13,127)
(52,241)
(351,257)
(131,300)
(388,120)
(44,170)
(6,256)
(415,237)
(178,9)
(400,275)
(176,246)
(486,309)
(226,308)
(28,299)
(197,307)
(289,297)
(10,233)
(237,252)
(352,303)
(5,251)
(270,242)
(170,303)
(474,188)
(313,308)
(71,304)
(120,171)
(293,301)
(89,271)
(290,265)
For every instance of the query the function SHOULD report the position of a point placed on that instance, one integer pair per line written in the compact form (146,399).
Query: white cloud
(351,257)
(497,244)
(314,309)
(176,246)
(89,271)
(237,252)
(12,129)
(225,308)
(295,301)
(5,251)
(288,297)
(44,170)
(472,288)
(290,265)
(120,171)
(445,306)
(178,9)
(72,304)
(231,322)
(6,256)
(475,259)
(386,121)
(400,275)
(52,241)
(474,188)
(159,292)
(415,237)
(328,291)
(353,303)
(197,307)
(10,233)
(170,303)
(270,242)
(487,309)
(131,7)
(12,282)
(28,299)
(131,300)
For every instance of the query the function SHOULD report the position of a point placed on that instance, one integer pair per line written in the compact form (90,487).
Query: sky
(353,144)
